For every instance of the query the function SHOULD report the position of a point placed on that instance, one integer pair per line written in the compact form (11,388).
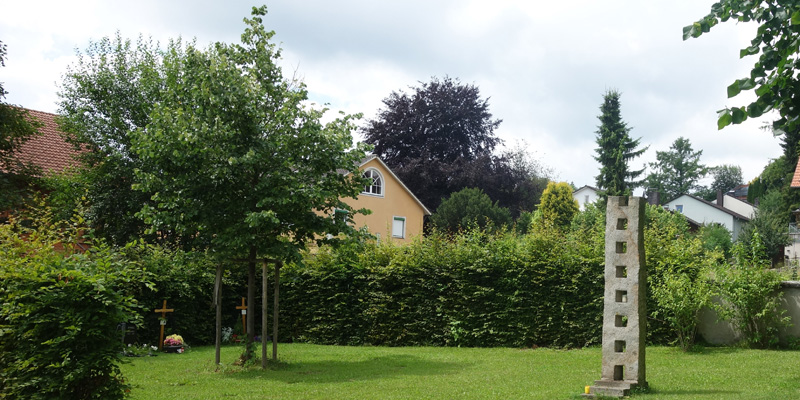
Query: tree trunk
(251,302)
(218,303)
(264,297)
(275,312)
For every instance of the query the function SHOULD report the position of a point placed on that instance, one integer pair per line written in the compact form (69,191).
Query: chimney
(653,197)
(720,198)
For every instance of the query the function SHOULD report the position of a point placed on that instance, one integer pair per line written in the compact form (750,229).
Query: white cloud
(545,65)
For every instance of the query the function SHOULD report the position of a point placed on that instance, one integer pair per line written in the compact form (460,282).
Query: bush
(557,205)
(58,316)
(680,298)
(716,237)
(750,295)
(468,208)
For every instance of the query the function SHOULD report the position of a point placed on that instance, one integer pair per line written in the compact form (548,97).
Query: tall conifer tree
(615,149)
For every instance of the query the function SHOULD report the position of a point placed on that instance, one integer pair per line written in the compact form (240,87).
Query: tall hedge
(479,289)
(186,281)
(476,288)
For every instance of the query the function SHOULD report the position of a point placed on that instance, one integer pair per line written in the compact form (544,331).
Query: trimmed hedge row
(186,281)
(479,289)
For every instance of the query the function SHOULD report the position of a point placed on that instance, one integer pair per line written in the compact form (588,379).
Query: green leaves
(775,71)
(735,115)
(724,118)
(740,84)
(60,312)
(233,157)
(748,51)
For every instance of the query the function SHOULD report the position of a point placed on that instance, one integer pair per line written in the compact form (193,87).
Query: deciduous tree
(236,162)
(773,77)
(440,139)
(676,171)
(108,94)
(726,177)
(615,149)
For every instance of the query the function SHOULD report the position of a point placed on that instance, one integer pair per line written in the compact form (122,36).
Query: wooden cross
(243,307)
(163,310)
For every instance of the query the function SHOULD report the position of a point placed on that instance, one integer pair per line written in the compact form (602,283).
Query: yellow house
(396,213)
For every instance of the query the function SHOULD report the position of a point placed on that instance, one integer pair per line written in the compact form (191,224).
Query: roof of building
(586,187)
(49,150)
(796,177)
(710,204)
(739,192)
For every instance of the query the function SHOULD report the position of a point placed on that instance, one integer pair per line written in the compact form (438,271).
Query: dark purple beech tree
(440,138)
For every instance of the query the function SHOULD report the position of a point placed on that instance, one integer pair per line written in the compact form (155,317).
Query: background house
(585,195)
(706,213)
(396,212)
(735,204)
(48,150)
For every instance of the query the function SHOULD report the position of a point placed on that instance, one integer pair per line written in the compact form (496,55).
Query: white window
(375,185)
(340,215)
(399,227)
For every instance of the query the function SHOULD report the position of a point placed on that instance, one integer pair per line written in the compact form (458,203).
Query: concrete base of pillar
(608,388)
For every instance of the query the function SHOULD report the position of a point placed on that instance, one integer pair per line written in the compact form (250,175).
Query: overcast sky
(543,65)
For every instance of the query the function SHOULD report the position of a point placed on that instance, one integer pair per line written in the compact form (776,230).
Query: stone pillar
(625,299)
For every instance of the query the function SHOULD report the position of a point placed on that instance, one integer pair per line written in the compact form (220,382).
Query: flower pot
(173,349)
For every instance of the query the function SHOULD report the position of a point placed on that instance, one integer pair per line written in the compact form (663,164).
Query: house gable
(585,195)
(707,213)
(396,212)
(738,206)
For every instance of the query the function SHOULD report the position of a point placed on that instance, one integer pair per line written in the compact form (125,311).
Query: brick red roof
(49,150)
(796,177)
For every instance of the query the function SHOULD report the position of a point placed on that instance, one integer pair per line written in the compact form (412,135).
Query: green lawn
(338,372)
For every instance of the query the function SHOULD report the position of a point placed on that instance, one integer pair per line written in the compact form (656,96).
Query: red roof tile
(796,177)
(49,150)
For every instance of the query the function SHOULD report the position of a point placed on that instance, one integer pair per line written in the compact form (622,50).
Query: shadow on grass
(689,392)
(329,371)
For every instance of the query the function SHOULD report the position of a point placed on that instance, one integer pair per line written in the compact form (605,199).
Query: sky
(543,65)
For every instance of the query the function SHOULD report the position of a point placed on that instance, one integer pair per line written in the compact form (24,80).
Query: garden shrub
(749,294)
(480,288)
(59,311)
(468,208)
(675,260)
(716,237)
(680,298)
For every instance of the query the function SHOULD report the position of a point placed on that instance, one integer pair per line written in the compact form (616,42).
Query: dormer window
(375,185)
